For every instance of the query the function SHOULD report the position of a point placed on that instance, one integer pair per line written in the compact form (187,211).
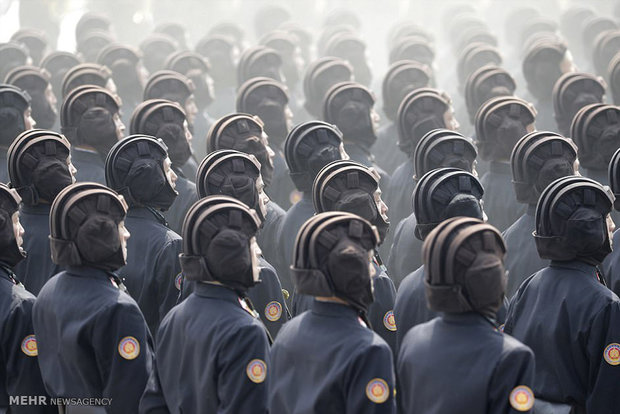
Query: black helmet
(348,105)
(444,193)
(196,68)
(444,148)
(413,47)
(37,163)
(475,56)
(220,51)
(319,77)
(58,64)
(242,132)
(12,55)
(259,61)
(486,83)
(614,177)
(92,43)
(177,31)
(464,267)
(572,92)
(596,131)
(170,85)
(331,258)
(156,49)
(87,118)
(165,120)
(13,104)
(35,81)
(84,221)
(308,148)
(350,47)
(541,67)
(350,187)
(613,74)
(125,63)
(232,173)
(607,45)
(571,220)
(287,44)
(91,21)
(500,123)
(35,40)
(217,234)
(10,253)
(538,159)
(268,99)
(135,169)
(401,78)
(89,74)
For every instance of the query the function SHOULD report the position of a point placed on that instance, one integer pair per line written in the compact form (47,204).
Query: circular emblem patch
(612,354)
(129,347)
(256,371)
(177,281)
(522,398)
(29,346)
(273,311)
(377,391)
(389,322)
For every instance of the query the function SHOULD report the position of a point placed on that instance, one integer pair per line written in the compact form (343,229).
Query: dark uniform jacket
(282,190)
(93,340)
(89,164)
(327,361)
(38,267)
(406,251)
(4,169)
(398,194)
(267,237)
(190,169)
(152,264)
(459,363)
(611,265)
(212,357)
(19,366)
(572,323)
(522,259)
(500,201)
(380,312)
(387,154)
(186,198)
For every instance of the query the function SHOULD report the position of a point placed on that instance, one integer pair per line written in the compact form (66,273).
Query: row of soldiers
(247,276)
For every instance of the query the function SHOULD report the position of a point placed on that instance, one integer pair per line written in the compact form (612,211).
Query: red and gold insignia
(129,348)
(501,328)
(612,354)
(29,346)
(522,398)
(256,371)
(177,280)
(273,311)
(377,391)
(389,322)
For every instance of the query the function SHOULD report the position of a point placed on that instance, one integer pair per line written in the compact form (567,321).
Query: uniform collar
(7,273)
(144,213)
(500,167)
(211,290)
(468,318)
(39,209)
(575,265)
(334,310)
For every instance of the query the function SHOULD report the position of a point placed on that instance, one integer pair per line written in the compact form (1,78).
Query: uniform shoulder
(512,345)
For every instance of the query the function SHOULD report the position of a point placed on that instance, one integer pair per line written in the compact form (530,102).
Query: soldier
(350,106)
(268,99)
(350,47)
(421,111)
(19,373)
(213,342)
(573,91)
(489,372)
(288,46)
(166,120)
(15,118)
(39,164)
(613,74)
(441,194)
(35,41)
(58,64)
(308,148)
(486,83)
(439,148)
(89,47)
(354,188)
(259,61)
(564,312)
(156,49)
(87,74)
(139,169)
(319,77)
(90,120)
(92,338)
(12,55)
(338,363)
(176,31)
(611,263)
(401,78)
(36,82)
(538,159)
(236,174)
(500,123)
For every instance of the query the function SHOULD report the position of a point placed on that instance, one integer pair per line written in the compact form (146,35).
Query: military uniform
(522,259)
(282,190)
(398,194)
(387,154)
(498,369)
(362,155)
(572,323)
(327,361)
(37,267)
(92,338)
(152,264)
(4,172)
(89,164)
(187,196)
(267,236)
(611,266)
(500,201)
(19,372)
(406,251)
(212,356)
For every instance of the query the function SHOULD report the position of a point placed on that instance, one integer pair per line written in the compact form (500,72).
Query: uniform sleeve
(268,300)
(371,382)
(152,401)
(242,367)
(20,355)
(510,388)
(124,355)
(381,311)
(603,348)
(168,269)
